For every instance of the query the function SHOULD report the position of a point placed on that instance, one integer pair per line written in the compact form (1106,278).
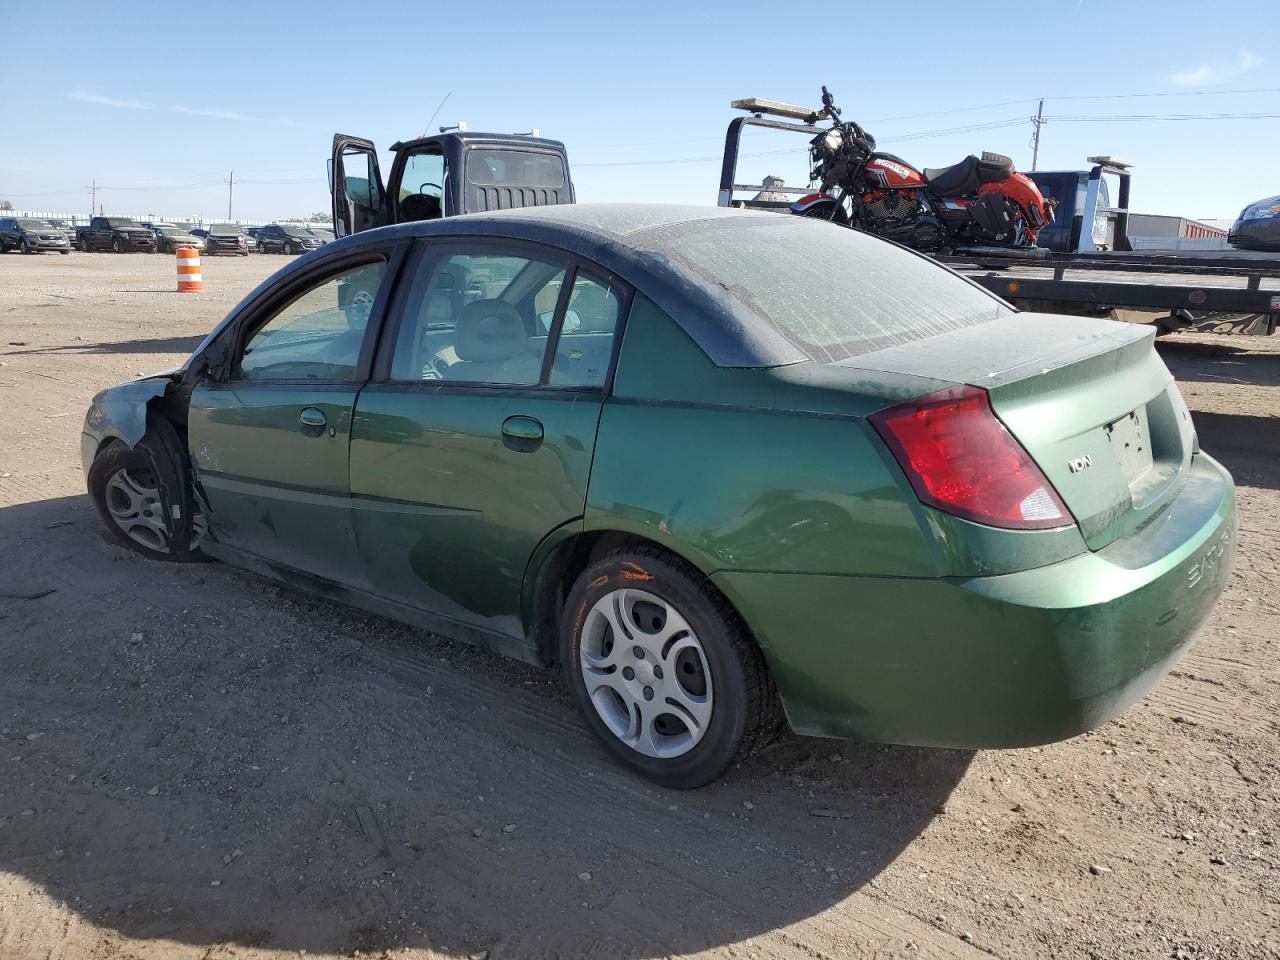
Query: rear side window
(497,168)
(585,345)
(833,292)
(478,316)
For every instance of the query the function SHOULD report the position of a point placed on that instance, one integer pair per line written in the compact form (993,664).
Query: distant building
(1154,231)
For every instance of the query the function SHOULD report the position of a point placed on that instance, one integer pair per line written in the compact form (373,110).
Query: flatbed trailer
(1231,291)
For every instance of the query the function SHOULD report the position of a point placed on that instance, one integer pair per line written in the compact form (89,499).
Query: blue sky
(159,101)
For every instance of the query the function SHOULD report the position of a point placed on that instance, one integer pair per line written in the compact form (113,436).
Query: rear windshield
(489,168)
(833,292)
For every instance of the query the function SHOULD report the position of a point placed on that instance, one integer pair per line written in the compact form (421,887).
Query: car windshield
(35,225)
(121,222)
(296,232)
(500,167)
(170,231)
(834,293)
(1262,209)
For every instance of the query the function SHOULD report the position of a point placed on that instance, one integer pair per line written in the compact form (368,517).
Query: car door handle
(313,421)
(524,431)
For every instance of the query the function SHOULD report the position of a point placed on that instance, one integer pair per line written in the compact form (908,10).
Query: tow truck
(1094,270)
(452,172)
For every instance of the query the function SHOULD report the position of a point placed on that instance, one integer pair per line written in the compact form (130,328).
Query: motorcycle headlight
(832,140)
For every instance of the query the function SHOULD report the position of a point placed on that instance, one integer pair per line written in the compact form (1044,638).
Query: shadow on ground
(1246,444)
(144,346)
(1193,361)
(195,755)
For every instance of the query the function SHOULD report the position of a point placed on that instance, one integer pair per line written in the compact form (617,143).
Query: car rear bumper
(1005,661)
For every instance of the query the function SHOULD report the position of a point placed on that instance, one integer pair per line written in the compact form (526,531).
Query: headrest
(489,331)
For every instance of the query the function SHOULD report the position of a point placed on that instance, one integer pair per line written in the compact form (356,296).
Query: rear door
(355,184)
(474,441)
(269,439)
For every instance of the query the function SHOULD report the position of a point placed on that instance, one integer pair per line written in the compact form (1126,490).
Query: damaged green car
(709,462)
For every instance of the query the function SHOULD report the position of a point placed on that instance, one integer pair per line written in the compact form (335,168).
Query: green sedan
(713,464)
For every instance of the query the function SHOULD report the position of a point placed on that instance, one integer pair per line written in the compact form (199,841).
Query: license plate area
(1130,438)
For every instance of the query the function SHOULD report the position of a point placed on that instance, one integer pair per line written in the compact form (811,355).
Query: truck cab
(444,175)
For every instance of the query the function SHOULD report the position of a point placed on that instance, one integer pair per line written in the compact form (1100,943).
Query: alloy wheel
(134,504)
(133,501)
(646,673)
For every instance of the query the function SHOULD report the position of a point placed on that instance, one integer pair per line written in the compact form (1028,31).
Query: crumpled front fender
(120,413)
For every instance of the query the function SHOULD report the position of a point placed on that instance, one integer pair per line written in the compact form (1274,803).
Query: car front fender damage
(133,413)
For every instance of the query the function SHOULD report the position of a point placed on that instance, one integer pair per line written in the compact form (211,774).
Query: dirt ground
(194,763)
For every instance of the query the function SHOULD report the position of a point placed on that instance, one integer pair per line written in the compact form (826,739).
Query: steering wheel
(423,189)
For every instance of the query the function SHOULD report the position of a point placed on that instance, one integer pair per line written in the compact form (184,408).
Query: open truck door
(355,184)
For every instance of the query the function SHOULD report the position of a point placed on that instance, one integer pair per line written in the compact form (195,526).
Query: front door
(355,186)
(270,442)
(476,441)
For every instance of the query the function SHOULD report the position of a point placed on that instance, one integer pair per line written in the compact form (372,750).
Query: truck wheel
(64,252)
(116,245)
(662,669)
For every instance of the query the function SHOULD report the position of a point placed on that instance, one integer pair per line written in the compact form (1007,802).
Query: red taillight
(960,458)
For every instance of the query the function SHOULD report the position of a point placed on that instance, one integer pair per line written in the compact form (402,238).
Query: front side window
(422,187)
(318,334)
(360,178)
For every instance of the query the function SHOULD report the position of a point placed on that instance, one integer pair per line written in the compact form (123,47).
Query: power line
(1136,117)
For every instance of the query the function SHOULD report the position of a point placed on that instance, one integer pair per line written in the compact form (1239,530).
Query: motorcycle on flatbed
(980,202)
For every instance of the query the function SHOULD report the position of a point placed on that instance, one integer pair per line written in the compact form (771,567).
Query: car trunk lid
(1089,400)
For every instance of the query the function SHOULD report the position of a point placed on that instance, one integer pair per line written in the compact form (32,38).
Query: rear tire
(682,692)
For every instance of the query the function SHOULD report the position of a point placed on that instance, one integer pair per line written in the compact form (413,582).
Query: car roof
(634,241)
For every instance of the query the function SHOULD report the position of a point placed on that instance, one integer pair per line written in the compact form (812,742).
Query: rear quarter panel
(744,469)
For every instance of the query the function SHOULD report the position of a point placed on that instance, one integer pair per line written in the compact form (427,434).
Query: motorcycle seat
(967,175)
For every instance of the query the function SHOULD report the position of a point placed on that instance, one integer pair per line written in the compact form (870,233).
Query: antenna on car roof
(535,132)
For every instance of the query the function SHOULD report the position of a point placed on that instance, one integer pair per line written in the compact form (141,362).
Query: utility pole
(231,183)
(93,196)
(1037,121)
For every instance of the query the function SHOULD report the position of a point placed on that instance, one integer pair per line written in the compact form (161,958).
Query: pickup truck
(450,173)
(115,233)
